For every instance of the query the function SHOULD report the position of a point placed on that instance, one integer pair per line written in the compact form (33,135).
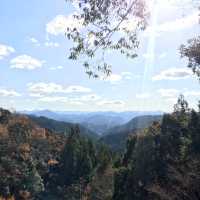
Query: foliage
(160,162)
(4,116)
(19,129)
(192,52)
(102,27)
(104,156)
(24,156)
(61,126)
(116,137)
(78,158)
(33,181)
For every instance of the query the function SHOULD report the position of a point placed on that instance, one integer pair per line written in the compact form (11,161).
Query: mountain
(98,122)
(116,137)
(101,123)
(39,163)
(136,123)
(61,127)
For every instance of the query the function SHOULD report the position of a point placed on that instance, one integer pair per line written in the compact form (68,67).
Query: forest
(158,162)
(147,157)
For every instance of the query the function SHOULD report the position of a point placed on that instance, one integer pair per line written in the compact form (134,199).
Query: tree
(104,157)
(78,158)
(194,127)
(181,106)
(142,165)
(181,109)
(192,52)
(20,129)
(33,181)
(103,26)
(4,116)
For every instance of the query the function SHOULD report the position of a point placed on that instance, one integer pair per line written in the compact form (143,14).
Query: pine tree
(78,157)
(33,181)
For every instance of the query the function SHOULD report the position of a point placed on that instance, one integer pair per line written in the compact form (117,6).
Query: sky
(35,72)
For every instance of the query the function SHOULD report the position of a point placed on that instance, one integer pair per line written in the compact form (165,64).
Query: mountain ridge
(116,137)
(98,122)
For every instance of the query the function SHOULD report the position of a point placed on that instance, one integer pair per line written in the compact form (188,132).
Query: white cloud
(176,25)
(48,43)
(56,68)
(192,93)
(117,78)
(34,41)
(9,93)
(113,78)
(59,99)
(5,51)
(51,88)
(77,103)
(81,100)
(111,103)
(78,89)
(169,93)
(60,23)
(44,88)
(53,99)
(143,96)
(26,62)
(36,95)
(174,93)
(173,74)
(162,55)
(171,100)
(51,44)
(180,24)
(89,98)
(149,55)
(128,75)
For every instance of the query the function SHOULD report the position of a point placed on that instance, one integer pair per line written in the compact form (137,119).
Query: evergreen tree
(33,181)
(78,157)
(104,157)
(194,128)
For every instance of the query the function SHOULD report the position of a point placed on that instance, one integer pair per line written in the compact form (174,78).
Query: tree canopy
(103,26)
(192,52)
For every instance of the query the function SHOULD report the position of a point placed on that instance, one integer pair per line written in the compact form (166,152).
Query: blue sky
(36,74)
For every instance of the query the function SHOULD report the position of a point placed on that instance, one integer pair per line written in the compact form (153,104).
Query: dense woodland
(159,162)
(44,159)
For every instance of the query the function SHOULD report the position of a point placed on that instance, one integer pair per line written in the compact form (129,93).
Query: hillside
(117,136)
(98,122)
(160,162)
(26,153)
(101,123)
(38,163)
(61,127)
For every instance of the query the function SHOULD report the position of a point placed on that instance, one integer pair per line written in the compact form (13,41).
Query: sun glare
(150,52)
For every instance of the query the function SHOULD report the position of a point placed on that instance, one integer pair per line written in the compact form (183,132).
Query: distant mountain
(101,123)
(61,127)
(136,123)
(98,122)
(116,137)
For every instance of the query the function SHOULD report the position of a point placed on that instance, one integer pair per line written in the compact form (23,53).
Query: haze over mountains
(116,137)
(98,122)
(62,127)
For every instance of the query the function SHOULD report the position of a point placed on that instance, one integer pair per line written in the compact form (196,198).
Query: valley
(100,100)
